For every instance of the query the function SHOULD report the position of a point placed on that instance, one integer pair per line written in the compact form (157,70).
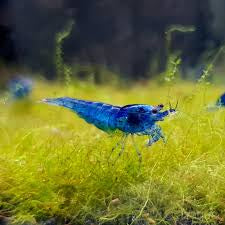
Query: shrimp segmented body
(135,119)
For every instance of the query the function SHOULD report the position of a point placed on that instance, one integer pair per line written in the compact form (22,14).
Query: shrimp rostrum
(135,119)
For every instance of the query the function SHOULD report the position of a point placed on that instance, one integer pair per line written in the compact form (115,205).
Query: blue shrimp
(139,119)
(221,101)
(19,88)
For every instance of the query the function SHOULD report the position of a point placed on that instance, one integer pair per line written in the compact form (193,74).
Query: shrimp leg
(156,133)
(123,143)
(119,143)
(136,148)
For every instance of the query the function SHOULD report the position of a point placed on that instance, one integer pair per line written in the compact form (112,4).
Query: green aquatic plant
(56,167)
(63,71)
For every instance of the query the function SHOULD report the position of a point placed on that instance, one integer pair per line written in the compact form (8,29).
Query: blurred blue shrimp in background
(221,101)
(20,87)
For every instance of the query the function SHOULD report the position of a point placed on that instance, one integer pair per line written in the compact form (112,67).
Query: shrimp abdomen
(99,114)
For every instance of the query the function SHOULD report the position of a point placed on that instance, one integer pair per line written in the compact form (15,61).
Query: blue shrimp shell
(99,114)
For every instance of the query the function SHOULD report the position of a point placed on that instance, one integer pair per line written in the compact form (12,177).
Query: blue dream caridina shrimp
(135,119)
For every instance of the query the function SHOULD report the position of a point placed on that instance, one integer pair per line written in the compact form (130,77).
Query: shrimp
(221,101)
(219,104)
(20,88)
(135,119)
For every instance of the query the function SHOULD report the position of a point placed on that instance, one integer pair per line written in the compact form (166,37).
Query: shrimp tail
(64,101)
(99,114)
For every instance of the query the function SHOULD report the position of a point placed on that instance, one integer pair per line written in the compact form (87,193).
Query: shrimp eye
(154,111)
(161,105)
